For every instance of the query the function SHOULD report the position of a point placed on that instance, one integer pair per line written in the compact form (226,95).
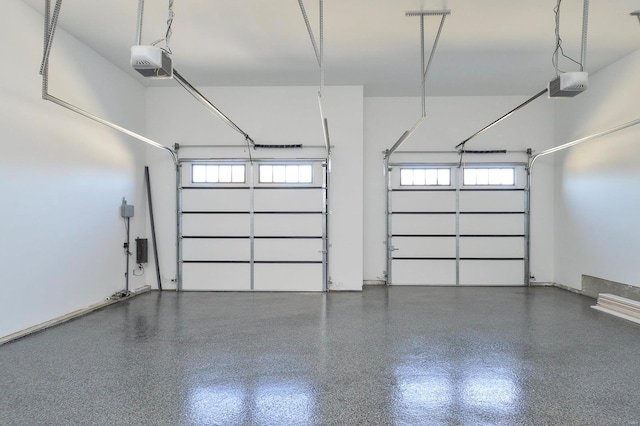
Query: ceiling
(489,47)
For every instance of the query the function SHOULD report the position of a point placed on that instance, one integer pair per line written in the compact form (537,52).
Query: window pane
(431,177)
(198,173)
(212,174)
(266,174)
(495,176)
(406,176)
(237,174)
(279,174)
(224,174)
(507,176)
(469,177)
(482,176)
(419,177)
(444,177)
(292,174)
(425,177)
(305,174)
(490,176)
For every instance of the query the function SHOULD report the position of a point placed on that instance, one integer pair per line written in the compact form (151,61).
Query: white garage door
(451,225)
(253,226)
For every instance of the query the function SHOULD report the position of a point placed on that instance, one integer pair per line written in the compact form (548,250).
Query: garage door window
(289,173)
(489,176)
(425,177)
(218,173)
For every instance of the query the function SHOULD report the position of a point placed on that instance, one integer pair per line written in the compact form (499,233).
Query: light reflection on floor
(217,404)
(442,388)
(270,403)
(491,390)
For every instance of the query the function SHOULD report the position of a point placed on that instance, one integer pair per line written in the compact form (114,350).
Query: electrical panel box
(142,252)
(126,210)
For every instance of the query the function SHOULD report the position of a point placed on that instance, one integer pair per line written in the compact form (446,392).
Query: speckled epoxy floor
(403,356)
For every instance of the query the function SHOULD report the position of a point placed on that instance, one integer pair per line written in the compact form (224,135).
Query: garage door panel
(491,247)
(288,199)
(216,249)
(494,272)
(419,224)
(424,272)
(216,277)
(214,200)
(288,249)
(279,226)
(424,246)
(288,277)
(491,201)
(423,201)
(282,225)
(215,225)
(492,224)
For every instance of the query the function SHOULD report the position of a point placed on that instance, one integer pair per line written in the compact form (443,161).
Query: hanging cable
(169,32)
(555,59)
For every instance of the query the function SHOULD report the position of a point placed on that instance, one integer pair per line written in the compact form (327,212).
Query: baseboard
(557,285)
(593,286)
(374,282)
(542,284)
(70,316)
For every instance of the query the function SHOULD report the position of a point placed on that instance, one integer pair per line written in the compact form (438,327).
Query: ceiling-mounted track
(320,58)
(181,80)
(493,123)
(424,70)
(50,24)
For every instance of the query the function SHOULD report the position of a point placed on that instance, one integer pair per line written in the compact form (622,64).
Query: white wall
(270,115)
(597,203)
(449,121)
(63,177)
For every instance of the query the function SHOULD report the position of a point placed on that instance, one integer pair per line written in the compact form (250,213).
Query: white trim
(70,316)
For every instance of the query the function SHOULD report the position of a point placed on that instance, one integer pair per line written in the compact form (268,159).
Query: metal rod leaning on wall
(487,127)
(153,226)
